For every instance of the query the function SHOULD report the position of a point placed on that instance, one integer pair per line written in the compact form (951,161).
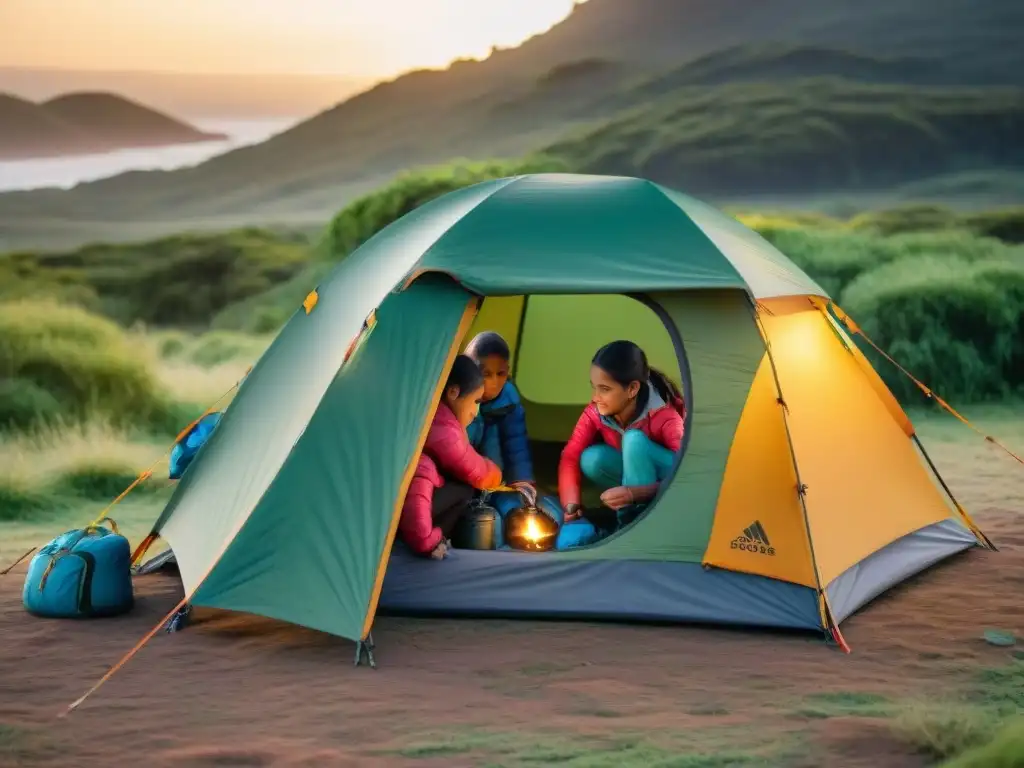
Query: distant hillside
(84,123)
(192,95)
(607,58)
(27,130)
(808,136)
(976,40)
(785,61)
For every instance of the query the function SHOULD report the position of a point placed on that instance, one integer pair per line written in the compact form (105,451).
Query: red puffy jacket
(660,421)
(446,453)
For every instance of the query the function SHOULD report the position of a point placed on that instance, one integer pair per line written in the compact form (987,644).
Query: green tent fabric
(587,234)
(290,509)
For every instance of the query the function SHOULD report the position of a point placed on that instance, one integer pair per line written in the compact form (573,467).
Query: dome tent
(801,492)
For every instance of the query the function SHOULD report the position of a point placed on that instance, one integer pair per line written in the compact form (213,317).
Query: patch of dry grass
(201,369)
(61,479)
(944,730)
(33,460)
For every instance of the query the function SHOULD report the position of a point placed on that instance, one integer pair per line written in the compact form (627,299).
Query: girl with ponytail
(627,439)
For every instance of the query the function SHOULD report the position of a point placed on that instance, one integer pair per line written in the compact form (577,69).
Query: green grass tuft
(1002,688)
(1004,750)
(845,704)
(946,729)
(502,748)
(18,502)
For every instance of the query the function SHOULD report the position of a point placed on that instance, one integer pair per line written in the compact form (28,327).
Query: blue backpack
(81,574)
(186,449)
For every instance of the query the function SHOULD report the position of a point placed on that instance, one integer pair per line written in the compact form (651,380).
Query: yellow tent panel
(759,476)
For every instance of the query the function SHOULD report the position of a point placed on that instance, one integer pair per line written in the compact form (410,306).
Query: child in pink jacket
(449,471)
(627,440)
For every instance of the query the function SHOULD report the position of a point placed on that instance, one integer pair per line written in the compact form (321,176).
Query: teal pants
(640,462)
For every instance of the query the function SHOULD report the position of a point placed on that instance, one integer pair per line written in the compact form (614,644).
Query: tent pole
(830,625)
(978,533)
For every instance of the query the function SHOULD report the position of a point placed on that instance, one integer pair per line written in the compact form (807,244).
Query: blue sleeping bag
(81,574)
(186,449)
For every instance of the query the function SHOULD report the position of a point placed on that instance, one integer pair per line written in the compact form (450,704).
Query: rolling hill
(605,72)
(192,95)
(815,135)
(84,123)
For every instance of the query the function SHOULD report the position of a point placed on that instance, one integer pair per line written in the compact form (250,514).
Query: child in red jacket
(627,439)
(449,470)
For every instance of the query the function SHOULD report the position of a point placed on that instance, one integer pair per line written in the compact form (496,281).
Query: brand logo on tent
(754,539)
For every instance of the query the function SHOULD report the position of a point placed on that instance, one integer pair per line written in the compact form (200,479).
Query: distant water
(68,171)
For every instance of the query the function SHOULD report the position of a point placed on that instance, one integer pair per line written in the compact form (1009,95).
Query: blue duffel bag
(81,574)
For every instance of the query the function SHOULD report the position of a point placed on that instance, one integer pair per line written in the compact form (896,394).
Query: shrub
(832,258)
(955,324)
(1005,750)
(268,311)
(1005,225)
(25,405)
(765,222)
(99,479)
(18,502)
(218,347)
(182,280)
(944,730)
(910,218)
(51,353)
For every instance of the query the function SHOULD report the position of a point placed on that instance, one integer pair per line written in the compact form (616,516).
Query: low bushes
(52,353)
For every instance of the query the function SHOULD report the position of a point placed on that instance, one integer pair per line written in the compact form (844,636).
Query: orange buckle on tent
(310,301)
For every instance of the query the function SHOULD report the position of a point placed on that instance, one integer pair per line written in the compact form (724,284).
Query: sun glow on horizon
(367,38)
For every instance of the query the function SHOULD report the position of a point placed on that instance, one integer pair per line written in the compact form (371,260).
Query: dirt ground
(238,690)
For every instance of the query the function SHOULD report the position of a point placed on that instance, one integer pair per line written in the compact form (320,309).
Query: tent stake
(179,620)
(365,644)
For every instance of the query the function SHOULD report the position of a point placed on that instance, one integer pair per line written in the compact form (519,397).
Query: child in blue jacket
(499,430)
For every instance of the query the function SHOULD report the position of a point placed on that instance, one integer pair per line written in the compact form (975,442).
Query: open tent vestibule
(801,492)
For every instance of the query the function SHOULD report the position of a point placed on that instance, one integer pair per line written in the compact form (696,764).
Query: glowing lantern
(529,529)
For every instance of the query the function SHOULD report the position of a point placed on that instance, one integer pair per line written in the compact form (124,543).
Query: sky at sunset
(350,37)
